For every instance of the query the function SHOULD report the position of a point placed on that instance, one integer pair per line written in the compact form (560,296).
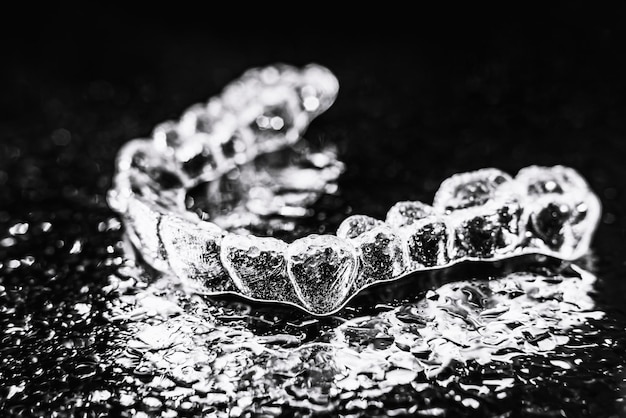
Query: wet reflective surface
(102,332)
(469,345)
(87,330)
(472,340)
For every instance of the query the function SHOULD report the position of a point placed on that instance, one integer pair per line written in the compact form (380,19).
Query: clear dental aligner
(483,215)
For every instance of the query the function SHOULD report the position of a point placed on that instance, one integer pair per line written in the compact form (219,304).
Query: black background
(426,97)
(422,95)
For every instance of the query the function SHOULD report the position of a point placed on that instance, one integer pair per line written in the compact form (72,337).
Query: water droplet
(77,247)
(20,228)
(322,269)
(152,402)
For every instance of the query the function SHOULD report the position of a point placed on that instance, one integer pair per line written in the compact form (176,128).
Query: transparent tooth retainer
(242,151)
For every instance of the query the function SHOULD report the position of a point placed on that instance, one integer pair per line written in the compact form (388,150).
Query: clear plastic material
(481,215)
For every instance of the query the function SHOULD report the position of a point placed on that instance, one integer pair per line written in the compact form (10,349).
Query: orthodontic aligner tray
(484,215)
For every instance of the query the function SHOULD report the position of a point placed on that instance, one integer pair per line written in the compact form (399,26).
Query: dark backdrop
(434,95)
(420,99)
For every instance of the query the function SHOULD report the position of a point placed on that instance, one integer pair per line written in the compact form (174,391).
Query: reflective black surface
(413,108)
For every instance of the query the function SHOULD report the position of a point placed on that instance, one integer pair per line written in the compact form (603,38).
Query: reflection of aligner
(495,319)
(482,215)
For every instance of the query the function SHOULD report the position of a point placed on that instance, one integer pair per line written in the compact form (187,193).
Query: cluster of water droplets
(188,353)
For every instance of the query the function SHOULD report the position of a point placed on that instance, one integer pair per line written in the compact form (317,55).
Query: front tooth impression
(483,209)
(380,252)
(322,269)
(426,243)
(258,267)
